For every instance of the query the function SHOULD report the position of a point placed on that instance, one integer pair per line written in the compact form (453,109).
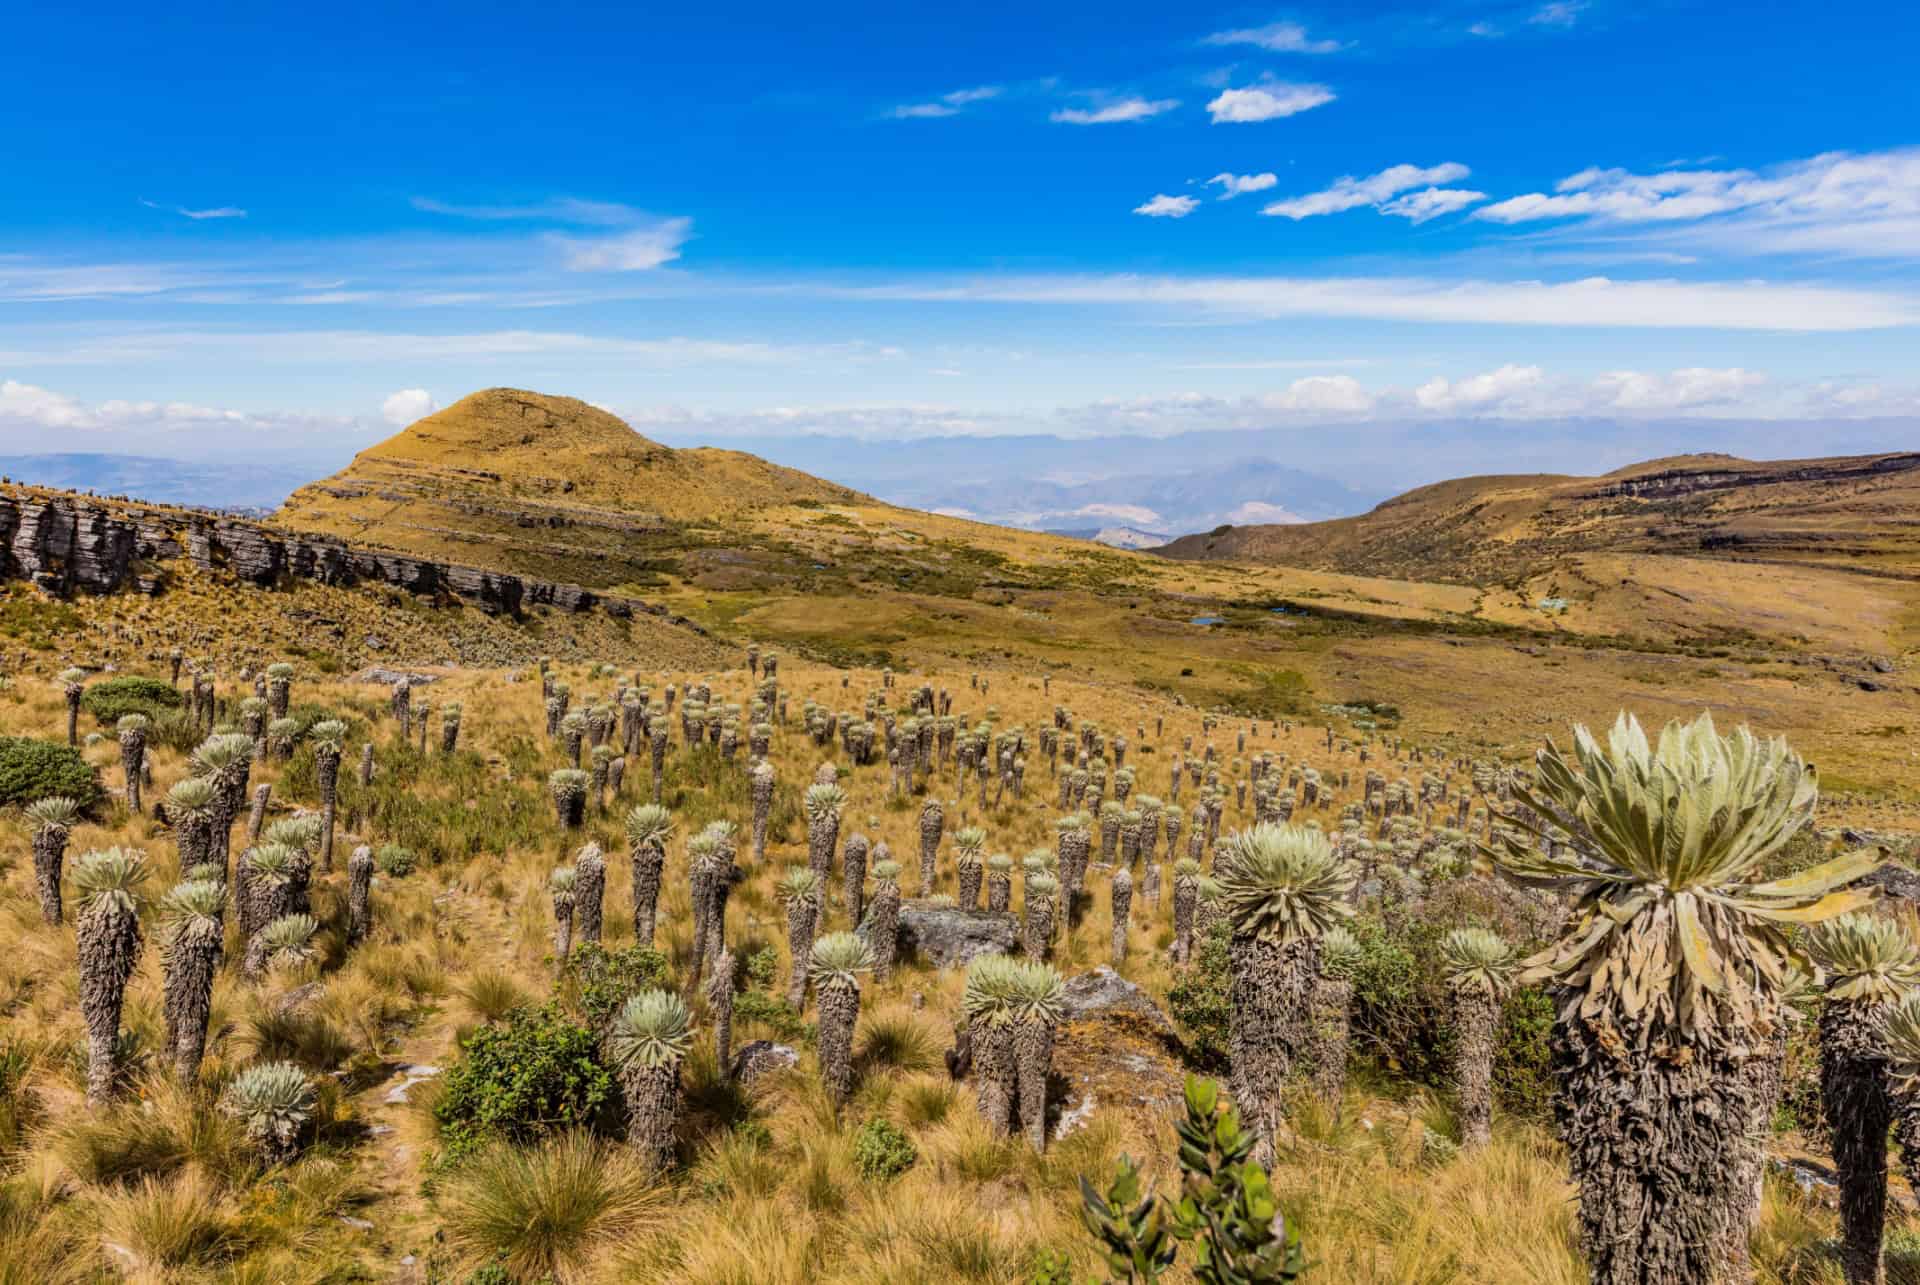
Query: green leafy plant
(1199,999)
(600,980)
(34,769)
(395,861)
(111,699)
(881,1151)
(535,1073)
(1226,1213)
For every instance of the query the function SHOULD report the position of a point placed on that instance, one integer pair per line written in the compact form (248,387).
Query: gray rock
(1881,665)
(1896,880)
(949,937)
(388,677)
(1103,993)
(763,1057)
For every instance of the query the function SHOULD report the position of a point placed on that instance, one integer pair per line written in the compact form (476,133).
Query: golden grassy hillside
(1854,513)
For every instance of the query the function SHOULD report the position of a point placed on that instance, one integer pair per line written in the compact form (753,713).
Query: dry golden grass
(159,1188)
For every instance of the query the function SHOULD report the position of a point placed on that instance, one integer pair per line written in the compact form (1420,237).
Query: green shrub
(533,1074)
(112,698)
(1522,1065)
(882,1151)
(175,731)
(771,1013)
(491,1274)
(394,860)
(1200,1002)
(599,980)
(33,769)
(761,967)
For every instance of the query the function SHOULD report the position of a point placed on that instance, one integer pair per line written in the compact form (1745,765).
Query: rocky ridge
(64,543)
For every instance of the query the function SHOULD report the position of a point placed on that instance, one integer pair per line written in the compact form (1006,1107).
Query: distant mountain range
(1171,485)
(1126,492)
(251,486)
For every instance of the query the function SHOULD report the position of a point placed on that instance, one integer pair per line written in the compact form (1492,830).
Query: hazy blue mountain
(1192,482)
(213,484)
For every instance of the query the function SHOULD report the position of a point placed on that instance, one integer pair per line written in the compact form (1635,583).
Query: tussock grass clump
(550,1207)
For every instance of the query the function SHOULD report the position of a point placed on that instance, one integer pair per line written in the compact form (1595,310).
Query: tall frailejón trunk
(1476,1017)
(108,938)
(1859,1111)
(1271,993)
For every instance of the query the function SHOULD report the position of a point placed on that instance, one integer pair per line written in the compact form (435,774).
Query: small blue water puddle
(1208,620)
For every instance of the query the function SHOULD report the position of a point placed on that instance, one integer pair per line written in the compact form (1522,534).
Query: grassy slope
(754,551)
(1847,514)
(164,1178)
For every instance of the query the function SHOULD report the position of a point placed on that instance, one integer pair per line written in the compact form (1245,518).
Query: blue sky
(224,227)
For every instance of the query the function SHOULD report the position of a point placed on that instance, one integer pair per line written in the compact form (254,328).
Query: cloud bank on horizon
(1239,222)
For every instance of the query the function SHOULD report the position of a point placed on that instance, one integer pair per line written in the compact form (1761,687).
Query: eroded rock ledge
(65,543)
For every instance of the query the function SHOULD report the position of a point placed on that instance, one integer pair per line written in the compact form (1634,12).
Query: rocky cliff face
(1681,482)
(66,544)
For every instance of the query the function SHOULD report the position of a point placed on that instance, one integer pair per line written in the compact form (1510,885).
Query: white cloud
(948,104)
(1431,203)
(1278,37)
(1132,514)
(1232,185)
(1485,30)
(642,241)
(1590,301)
(1114,113)
(1332,393)
(1271,101)
(407,405)
(1680,390)
(379,348)
(216,212)
(1529,391)
(1259,511)
(1480,392)
(1558,13)
(34,411)
(1377,190)
(635,250)
(558,209)
(1865,203)
(1167,207)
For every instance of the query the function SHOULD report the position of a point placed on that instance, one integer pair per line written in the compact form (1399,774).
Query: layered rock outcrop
(65,544)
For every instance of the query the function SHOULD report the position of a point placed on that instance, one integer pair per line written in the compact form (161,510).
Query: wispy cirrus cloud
(1114,112)
(636,241)
(1558,13)
(214,212)
(1269,100)
(1595,301)
(948,104)
(1857,203)
(1276,37)
(555,209)
(1404,191)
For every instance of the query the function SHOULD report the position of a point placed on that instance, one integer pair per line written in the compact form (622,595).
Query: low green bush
(882,1151)
(1200,1002)
(112,698)
(394,860)
(598,981)
(533,1074)
(33,769)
